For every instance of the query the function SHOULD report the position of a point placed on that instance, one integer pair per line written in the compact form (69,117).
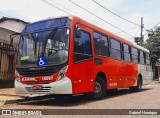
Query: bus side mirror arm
(11,37)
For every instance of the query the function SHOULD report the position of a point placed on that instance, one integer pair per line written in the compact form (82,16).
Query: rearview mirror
(77,32)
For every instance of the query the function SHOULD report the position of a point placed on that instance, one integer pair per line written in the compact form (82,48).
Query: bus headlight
(17,76)
(62,73)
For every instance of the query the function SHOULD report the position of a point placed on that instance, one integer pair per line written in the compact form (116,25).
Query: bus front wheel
(99,90)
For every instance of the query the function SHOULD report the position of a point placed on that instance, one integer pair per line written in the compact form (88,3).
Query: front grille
(38,82)
(43,90)
(31,73)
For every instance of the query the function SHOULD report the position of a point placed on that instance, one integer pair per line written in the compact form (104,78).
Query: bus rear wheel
(137,88)
(99,90)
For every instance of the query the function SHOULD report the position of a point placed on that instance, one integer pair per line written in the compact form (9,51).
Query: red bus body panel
(84,73)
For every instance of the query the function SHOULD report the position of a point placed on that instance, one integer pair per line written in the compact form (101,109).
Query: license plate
(37,87)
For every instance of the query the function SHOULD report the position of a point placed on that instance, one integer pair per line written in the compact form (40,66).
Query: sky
(132,10)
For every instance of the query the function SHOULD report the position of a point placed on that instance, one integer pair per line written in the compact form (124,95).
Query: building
(8,26)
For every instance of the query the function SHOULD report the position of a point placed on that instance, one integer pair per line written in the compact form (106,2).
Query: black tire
(99,90)
(137,88)
(61,97)
(111,91)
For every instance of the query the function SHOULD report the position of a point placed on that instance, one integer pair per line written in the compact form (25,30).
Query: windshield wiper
(50,36)
(54,30)
(35,44)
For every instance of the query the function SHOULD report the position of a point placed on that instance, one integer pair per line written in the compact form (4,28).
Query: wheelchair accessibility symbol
(42,61)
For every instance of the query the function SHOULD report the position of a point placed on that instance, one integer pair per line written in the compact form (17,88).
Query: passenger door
(83,60)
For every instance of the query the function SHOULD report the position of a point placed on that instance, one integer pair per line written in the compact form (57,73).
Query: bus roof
(141,48)
(99,28)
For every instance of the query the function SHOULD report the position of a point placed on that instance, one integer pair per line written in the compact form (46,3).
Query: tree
(153,44)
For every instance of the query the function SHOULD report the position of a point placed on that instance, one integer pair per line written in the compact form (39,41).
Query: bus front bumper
(63,86)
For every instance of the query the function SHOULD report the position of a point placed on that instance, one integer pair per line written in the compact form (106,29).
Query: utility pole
(140,40)
(141,35)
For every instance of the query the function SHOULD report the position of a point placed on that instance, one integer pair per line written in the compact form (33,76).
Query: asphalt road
(148,98)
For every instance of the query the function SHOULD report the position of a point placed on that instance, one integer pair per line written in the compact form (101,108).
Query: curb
(4,102)
(25,99)
(13,101)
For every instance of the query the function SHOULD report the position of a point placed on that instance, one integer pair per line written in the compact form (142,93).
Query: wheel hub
(97,88)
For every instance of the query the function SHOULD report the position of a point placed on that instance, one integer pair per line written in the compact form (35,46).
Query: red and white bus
(69,55)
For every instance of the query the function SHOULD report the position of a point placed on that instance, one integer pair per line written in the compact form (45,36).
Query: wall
(9,27)
(12,25)
(5,36)
(7,53)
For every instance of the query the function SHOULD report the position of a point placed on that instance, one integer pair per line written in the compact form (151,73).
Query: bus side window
(141,57)
(115,49)
(144,57)
(134,52)
(101,46)
(126,52)
(82,47)
(148,61)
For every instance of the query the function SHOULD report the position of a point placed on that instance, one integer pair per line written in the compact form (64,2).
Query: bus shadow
(111,94)
(76,100)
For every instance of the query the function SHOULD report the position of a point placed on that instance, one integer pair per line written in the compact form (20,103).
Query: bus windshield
(52,44)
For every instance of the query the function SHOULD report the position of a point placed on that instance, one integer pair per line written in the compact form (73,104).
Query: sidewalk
(8,95)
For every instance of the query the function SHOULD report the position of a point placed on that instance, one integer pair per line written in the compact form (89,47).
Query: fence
(7,61)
